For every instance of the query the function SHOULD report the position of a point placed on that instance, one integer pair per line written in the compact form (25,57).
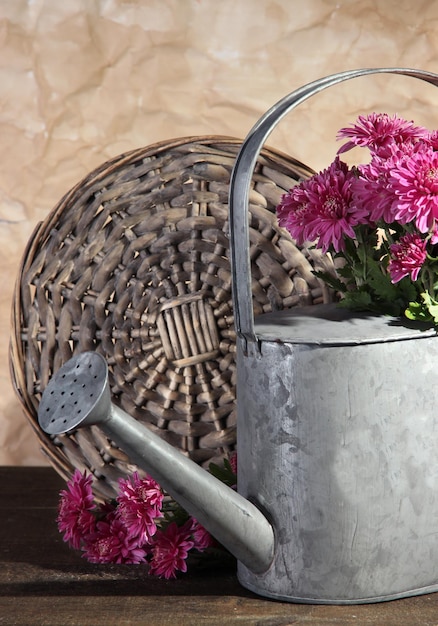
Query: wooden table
(43,582)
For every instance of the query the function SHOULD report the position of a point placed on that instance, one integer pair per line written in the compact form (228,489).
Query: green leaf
(331,281)
(380,281)
(346,272)
(431,305)
(224,473)
(407,290)
(418,311)
(350,250)
(356,300)
(363,255)
(173,512)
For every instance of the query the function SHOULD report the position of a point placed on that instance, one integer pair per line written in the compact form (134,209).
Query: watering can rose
(379,218)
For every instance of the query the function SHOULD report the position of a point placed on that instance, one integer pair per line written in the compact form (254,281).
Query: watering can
(337,499)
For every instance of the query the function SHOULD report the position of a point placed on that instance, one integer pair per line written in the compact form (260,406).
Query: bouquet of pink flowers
(378,219)
(142,525)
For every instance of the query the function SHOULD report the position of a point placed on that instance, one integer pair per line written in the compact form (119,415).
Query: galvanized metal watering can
(337,435)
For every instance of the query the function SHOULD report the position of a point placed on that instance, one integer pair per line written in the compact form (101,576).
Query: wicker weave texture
(134,263)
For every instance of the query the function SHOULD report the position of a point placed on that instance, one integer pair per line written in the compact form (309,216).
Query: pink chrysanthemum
(112,543)
(322,208)
(415,184)
(407,257)
(377,190)
(432,139)
(372,193)
(295,212)
(201,537)
(233,462)
(377,131)
(434,235)
(75,518)
(372,189)
(170,551)
(139,506)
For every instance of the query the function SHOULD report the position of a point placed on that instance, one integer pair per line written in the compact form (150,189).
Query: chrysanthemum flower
(170,550)
(415,184)
(434,234)
(378,131)
(139,506)
(295,213)
(321,208)
(233,462)
(407,257)
(201,537)
(372,193)
(112,543)
(432,139)
(75,518)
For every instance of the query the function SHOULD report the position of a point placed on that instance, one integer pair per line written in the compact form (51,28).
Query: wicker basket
(133,262)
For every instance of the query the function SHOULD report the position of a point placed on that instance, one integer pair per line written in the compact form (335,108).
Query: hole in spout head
(72,398)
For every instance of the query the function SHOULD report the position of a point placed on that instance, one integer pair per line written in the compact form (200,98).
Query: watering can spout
(79,395)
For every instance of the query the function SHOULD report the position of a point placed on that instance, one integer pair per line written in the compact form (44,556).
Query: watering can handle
(241,181)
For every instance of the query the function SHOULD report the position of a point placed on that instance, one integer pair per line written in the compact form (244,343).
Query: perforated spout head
(78,395)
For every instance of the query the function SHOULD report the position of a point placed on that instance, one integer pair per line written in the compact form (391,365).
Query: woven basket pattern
(134,263)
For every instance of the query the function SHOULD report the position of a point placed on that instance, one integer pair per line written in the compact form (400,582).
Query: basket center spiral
(188,330)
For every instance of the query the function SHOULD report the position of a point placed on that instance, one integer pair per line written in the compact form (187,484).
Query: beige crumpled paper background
(84,80)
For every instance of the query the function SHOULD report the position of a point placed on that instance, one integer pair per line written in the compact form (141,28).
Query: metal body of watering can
(338,429)
(340,447)
(337,476)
